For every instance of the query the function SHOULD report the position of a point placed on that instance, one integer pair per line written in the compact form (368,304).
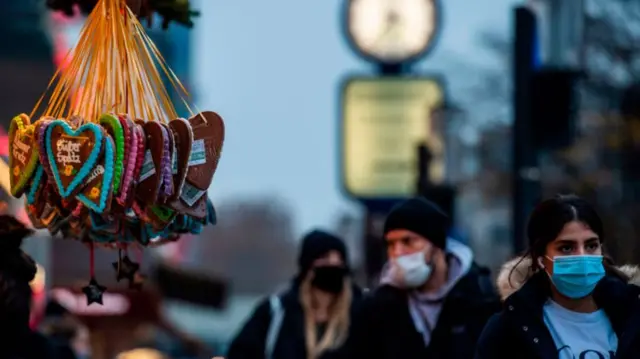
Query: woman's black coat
(519,331)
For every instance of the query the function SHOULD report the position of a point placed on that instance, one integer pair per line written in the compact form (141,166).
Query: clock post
(386,123)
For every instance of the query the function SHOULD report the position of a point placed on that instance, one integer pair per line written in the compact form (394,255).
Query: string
(116,66)
(92,272)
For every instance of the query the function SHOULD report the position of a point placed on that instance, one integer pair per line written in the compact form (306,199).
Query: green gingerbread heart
(114,128)
(23,153)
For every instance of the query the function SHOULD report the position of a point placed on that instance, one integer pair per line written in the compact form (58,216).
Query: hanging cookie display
(117,167)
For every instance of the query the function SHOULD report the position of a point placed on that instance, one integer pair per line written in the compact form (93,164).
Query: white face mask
(415,270)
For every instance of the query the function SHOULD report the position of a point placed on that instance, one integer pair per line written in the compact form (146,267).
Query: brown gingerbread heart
(98,189)
(72,154)
(150,179)
(183,139)
(140,158)
(23,154)
(160,216)
(208,138)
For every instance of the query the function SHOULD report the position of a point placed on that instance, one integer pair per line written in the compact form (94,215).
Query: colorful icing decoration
(114,128)
(72,154)
(41,128)
(131,149)
(23,153)
(36,184)
(166,189)
(99,185)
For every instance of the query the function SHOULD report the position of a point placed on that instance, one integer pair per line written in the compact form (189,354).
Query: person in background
(433,300)
(310,320)
(17,269)
(563,299)
(63,330)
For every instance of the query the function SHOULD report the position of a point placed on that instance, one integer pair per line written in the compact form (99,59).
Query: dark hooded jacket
(385,329)
(519,330)
(250,342)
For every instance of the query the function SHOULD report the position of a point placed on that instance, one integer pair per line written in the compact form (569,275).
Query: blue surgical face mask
(576,276)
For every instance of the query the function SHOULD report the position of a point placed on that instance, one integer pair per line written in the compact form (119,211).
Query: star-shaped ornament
(94,292)
(125,269)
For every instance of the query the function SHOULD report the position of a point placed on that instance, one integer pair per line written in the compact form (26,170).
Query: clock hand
(392,19)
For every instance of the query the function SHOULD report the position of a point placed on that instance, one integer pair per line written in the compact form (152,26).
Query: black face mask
(329,278)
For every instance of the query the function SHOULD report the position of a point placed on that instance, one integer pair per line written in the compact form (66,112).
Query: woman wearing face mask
(311,320)
(433,300)
(563,299)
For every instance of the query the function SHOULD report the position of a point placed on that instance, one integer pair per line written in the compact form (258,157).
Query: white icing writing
(67,152)
(20,149)
(95,173)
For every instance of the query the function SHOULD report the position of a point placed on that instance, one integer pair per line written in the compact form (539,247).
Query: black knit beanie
(420,216)
(316,244)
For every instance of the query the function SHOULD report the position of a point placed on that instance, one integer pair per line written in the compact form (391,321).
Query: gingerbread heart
(35,201)
(104,224)
(141,156)
(152,175)
(112,124)
(38,183)
(168,188)
(72,154)
(40,130)
(129,164)
(98,189)
(23,153)
(50,216)
(160,216)
(208,138)
(183,140)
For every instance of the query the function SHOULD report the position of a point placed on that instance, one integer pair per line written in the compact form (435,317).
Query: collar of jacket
(525,293)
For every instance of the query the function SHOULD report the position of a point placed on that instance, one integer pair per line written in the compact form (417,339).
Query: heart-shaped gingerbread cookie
(112,124)
(98,189)
(130,160)
(183,140)
(208,138)
(23,153)
(72,154)
(157,156)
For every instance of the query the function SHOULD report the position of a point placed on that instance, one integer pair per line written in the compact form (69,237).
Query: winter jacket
(384,328)
(250,342)
(519,331)
(25,345)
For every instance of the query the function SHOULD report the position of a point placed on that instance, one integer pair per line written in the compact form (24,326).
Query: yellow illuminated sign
(384,120)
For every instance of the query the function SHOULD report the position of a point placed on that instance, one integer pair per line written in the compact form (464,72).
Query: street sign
(384,119)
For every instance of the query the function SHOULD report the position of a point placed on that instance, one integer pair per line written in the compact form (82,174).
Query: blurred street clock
(392,31)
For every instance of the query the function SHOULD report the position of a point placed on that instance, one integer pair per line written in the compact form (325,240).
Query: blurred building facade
(26,66)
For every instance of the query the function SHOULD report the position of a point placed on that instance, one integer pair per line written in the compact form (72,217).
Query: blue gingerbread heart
(35,184)
(69,154)
(107,181)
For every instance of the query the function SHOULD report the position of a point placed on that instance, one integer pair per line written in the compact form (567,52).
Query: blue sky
(272,68)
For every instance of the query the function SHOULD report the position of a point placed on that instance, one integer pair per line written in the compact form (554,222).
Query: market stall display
(108,161)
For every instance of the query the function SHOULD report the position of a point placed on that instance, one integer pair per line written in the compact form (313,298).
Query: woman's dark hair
(550,216)
(17,269)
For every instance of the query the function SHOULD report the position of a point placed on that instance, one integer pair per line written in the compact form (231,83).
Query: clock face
(392,31)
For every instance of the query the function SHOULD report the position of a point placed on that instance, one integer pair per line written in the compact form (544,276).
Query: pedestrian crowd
(562,299)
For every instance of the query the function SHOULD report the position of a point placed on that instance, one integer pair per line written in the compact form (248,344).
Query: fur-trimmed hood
(517,271)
